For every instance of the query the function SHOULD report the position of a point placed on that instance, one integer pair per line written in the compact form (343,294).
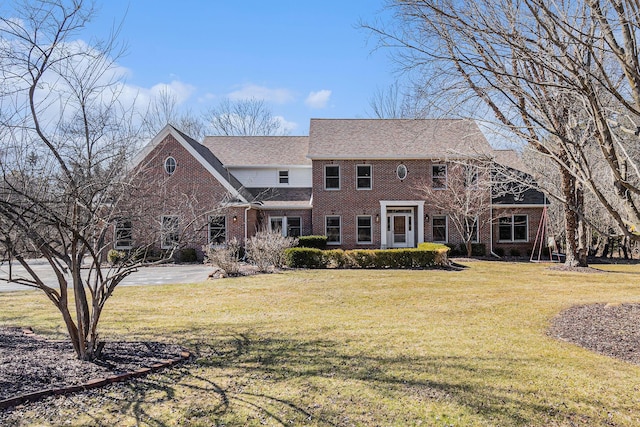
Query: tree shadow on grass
(226,383)
(286,362)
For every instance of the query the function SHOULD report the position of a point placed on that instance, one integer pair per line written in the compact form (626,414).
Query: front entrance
(400,229)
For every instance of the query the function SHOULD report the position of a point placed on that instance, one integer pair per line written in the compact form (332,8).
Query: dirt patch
(562,267)
(612,330)
(31,363)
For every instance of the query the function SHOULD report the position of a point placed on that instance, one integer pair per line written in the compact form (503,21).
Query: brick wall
(191,193)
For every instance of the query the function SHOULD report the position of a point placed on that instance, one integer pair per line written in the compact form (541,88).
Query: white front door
(400,230)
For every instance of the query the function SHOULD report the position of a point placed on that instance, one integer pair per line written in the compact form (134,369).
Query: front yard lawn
(362,347)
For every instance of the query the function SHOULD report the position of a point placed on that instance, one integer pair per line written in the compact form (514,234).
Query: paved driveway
(157,275)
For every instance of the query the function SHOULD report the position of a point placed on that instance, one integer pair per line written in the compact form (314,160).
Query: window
(514,228)
(169,233)
(123,234)
(332,177)
(287,225)
(471,225)
(439,228)
(470,176)
(294,226)
(275,224)
(364,229)
(401,172)
(283,177)
(217,230)
(170,165)
(363,177)
(332,229)
(439,176)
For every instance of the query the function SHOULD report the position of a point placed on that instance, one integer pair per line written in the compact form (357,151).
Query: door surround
(398,204)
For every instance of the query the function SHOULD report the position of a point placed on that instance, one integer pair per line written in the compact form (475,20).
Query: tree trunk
(573,256)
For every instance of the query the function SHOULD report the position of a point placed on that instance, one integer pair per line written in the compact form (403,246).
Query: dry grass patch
(360,347)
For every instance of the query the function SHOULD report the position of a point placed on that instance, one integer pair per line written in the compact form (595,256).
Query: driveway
(156,275)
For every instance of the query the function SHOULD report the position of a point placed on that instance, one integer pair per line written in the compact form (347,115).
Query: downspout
(246,226)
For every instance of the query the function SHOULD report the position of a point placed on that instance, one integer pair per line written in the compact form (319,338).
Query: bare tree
(561,77)
(164,110)
(248,117)
(66,139)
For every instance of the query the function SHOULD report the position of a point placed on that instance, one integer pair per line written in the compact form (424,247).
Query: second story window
(363,177)
(332,177)
(439,176)
(283,177)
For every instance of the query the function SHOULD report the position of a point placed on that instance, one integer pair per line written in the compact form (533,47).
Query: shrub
(514,252)
(337,258)
(478,249)
(499,252)
(454,251)
(266,249)
(318,242)
(188,255)
(363,258)
(305,258)
(226,258)
(115,256)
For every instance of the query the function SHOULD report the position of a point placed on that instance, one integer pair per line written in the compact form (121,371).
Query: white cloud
(318,99)
(287,126)
(251,91)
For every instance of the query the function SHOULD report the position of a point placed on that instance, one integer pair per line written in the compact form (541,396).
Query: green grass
(337,347)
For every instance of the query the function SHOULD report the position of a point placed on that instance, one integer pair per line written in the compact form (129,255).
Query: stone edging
(91,384)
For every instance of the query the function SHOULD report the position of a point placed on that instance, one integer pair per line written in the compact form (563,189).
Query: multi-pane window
(439,176)
(217,230)
(286,225)
(332,229)
(513,228)
(363,177)
(283,177)
(169,233)
(470,176)
(275,224)
(471,225)
(123,234)
(364,229)
(294,226)
(332,177)
(439,228)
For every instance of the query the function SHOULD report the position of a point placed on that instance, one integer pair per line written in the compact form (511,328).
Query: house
(357,181)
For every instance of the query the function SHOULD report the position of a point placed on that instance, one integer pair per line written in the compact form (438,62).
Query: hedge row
(426,255)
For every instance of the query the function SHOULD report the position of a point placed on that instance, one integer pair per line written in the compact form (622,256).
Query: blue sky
(306,59)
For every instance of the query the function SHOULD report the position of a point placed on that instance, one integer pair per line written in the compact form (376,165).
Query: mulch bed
(31,363)
(612,330)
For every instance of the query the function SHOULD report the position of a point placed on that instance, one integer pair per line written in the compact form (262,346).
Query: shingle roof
(259,150)
(396,138)
(214,161)
(510,158)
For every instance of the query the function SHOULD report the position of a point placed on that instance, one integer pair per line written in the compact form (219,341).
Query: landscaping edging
(93,383)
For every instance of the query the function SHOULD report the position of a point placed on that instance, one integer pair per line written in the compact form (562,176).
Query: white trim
(446,228)
(261,166)
(513,224)
(324,177)
(282,207)
(446,176)
(169,130)
(514,206)
(339,242)
(419,219)
(370,187)
(370,241)
(446,157)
